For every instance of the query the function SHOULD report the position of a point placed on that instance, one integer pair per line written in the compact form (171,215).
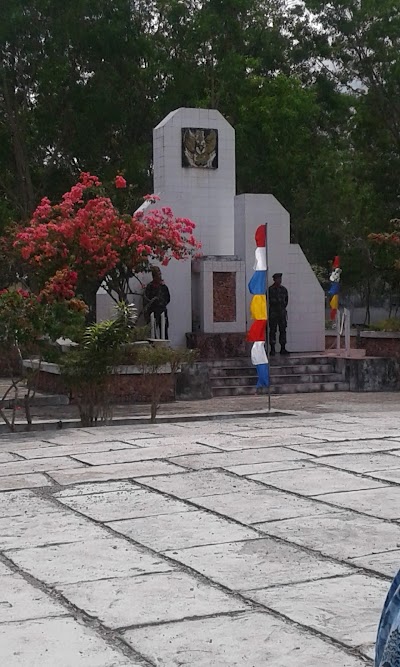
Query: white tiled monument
(194,174)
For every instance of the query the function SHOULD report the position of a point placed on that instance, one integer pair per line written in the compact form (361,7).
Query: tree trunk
(27,201)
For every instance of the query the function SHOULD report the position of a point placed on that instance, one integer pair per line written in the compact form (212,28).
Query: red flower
(120,182)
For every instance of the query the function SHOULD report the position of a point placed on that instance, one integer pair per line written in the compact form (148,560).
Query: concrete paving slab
(334,606)
(73,436)
(347,447)
(116,471)
(5,457)
(56,641)
(391,475)
(344,535)
(16,503)
(42,465)
(262,455)
(263,505)
(19,601)
(71,450)
(256,468)
(4,570)
(314,480)
(124,504)
(35,530)
(157,597)
(87,561)
(27,481)
(387,563)
(250,564)
(383,503)
(96,487)
(200,483)
(142,454)
(363,463)
(243,640)
(182,530)
(236,441)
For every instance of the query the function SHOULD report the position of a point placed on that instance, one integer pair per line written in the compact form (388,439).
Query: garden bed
(127,384)
(375,343)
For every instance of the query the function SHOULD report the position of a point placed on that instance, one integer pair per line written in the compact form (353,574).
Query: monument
(194,174)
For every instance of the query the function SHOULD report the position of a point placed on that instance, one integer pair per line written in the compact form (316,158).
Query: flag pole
(267,328)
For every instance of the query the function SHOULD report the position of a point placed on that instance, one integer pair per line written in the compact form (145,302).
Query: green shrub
(153,359)
(391,324)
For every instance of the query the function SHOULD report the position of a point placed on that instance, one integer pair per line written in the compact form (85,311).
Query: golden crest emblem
(199,148)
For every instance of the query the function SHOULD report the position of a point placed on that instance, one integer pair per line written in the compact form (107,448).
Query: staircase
(289,375)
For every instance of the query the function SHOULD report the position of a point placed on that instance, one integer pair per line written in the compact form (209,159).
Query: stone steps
(298,369)
(304,388)
(289,375)
(249,380)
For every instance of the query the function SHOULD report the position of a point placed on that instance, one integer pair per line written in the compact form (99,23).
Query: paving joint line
(107,634)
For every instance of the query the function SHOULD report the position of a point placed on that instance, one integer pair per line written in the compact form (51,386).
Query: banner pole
(267,328)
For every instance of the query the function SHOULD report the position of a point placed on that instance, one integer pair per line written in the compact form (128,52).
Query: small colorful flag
(258,309)
(335,287)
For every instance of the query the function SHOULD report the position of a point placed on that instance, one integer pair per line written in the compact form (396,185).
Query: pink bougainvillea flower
(120,182)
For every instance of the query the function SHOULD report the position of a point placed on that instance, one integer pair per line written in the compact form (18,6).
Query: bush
(86,371)
(155,360)
(391,324)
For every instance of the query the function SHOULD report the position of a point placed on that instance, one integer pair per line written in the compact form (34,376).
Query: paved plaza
(243,542)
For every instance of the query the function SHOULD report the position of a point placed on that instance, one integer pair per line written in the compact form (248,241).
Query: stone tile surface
(34,530)
(19,601)
(383,502)
(363,463)
(87,561)
(116,471)
(51,450)
(124,504)
(262,505)
(257,468)
(338,446)
(249,564)
(61,642)
(179,535)
(343,535)
(142,454)
(5,457)
(215,460)
(12,482)
(182,530)
(41,465)
(16,503)
(200,483)
(159,597)
(386,562)
(244,640)
(95,487)
(313,480)
(334,606)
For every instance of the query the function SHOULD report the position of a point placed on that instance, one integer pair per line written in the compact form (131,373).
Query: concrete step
(249,380)
(278,360)
(231,371)
(40,400)
(246,390)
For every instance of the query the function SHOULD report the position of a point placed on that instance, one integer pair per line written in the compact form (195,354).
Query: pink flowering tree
(87,238)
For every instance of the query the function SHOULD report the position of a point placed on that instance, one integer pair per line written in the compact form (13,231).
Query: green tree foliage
(311,88)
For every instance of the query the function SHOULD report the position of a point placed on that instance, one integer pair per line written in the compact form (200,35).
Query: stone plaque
(224,296)
(199,148)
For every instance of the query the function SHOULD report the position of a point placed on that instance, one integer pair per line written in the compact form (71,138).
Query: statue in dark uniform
(156,299)
(278,299)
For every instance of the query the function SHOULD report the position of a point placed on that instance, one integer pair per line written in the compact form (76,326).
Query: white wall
(306,311)
(206,195)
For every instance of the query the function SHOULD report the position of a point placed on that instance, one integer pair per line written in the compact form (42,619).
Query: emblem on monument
(199,148)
